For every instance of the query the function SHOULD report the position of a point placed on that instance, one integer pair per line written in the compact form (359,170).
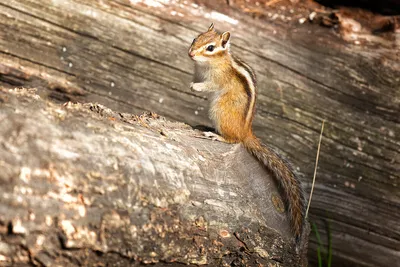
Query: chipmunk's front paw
(213,136)
(197,87)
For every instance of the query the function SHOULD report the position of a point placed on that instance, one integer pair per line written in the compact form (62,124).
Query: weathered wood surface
(133,57)
(82,185)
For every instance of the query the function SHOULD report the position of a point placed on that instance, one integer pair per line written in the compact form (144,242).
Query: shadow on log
(83,185)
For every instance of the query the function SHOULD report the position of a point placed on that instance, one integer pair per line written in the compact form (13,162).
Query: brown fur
(204,38)
(289,183)
(233,116)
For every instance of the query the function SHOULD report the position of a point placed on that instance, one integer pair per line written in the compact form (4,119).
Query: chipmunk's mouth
(197,58)
(191,54)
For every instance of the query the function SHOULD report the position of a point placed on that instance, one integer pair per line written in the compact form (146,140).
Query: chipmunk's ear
(225,38)
(211,27)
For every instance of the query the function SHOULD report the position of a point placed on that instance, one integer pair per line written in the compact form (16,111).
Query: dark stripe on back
(247,68)
(247,89)
(247,86)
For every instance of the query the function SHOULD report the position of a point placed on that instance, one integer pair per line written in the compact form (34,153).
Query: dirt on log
(82,185)
(132,57)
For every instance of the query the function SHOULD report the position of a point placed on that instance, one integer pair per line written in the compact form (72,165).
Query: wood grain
(132,57)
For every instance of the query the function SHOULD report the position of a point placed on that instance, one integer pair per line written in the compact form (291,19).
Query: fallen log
(82,185)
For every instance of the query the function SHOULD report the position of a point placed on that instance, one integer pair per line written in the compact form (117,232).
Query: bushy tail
(289,183)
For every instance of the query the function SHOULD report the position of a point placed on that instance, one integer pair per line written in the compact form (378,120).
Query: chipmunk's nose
(191,53)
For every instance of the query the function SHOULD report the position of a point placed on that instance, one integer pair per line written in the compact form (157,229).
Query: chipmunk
(232,110)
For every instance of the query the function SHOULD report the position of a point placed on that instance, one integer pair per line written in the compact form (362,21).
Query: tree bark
(132,57)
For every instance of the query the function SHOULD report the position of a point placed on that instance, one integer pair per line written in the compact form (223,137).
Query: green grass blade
(329,245)
(319,257)
(315,229)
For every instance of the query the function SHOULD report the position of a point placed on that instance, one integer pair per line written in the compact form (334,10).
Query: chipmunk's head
(209,45)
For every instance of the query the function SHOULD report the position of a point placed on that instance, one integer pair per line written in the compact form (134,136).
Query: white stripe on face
(203,50)
(216,49)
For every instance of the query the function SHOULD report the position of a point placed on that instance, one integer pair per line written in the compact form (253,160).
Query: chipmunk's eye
(210,48)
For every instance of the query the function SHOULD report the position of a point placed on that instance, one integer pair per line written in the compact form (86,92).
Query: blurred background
(337,61)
